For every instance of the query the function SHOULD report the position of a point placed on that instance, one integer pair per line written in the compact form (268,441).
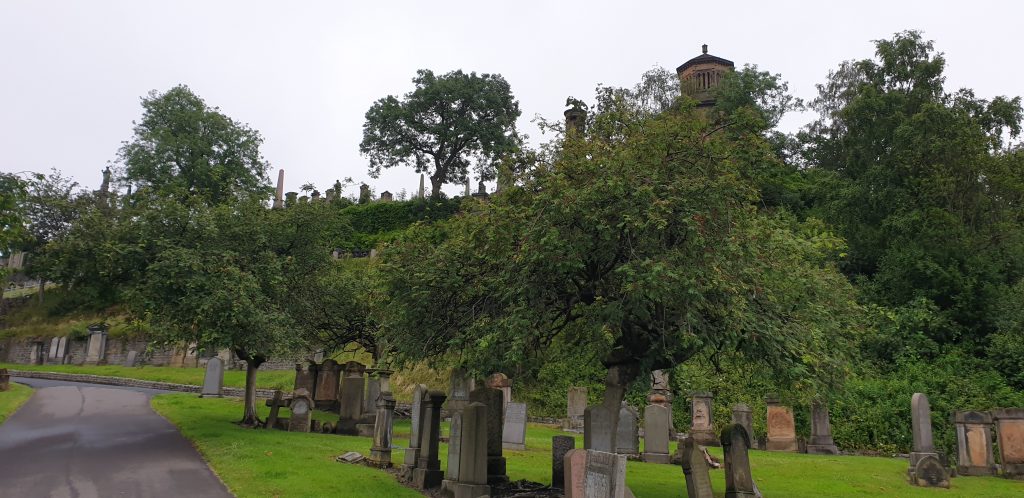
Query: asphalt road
(73,440)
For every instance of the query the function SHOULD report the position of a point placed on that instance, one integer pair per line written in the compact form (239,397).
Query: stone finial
(704,48)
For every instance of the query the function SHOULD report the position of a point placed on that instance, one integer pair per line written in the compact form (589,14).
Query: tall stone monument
(598,429)
(974,444)
(576,405)
(350,401)
(695,470)
(427,473)
(560,446)
(656,428)
(781,427)
(925,467)
(743,415)
(702,428)
(328,374)
(739,483)
(821,442)
(213,381)
(1010,430)
(467,454)
(380,452)
(412,453)
(461,385)
(493,399)
(279,193)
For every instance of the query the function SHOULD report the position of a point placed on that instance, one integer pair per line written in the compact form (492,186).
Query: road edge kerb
(234,392)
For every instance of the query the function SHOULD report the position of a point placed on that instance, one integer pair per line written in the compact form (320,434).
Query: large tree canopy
(183,148)
(443,126)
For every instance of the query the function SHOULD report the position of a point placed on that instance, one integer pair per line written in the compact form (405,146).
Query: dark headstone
(597,429)
(380,452)
(412,453)
(305,377)
(738,481)
(5,380)
(493,399)
(467,453)
(560,445)
(930,473)
(427,473)
(350,400)
(695,470)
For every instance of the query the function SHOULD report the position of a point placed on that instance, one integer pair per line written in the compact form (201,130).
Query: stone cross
(695,470)
(493,399)
(326,393)
(974,444)
(627,437)
(467,453)
(576,404)
(380,452)
(214,379)
(350,401)
(821,442)
(275,405)
(595,474)
(597,429)
(702,428)
(781,427)
(1010,430)
(925,467)
(656,425)
(513,432)
(412,453)
(302,410)
(738,481)
(560,446)
(427,473)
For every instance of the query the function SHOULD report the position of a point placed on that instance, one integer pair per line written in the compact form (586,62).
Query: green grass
(11,400)
(267,379)
(260,463)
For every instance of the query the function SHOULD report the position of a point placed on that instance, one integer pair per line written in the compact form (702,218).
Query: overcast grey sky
(304,73)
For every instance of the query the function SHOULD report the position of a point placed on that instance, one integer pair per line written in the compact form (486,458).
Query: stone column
(380,452)
(279,193)
(428,472)
(821,442)
(412,453)
(974,444)
(1010,430)
(925,467)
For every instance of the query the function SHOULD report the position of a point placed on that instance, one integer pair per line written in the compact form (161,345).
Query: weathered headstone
(513,433)
(214,379)
(743,415)
(53,348)
(275,405)
(427,473)
(974,444)
(1010,430)
(350,402)
(502,383)
(560,446)
(627,436)
(305,377)
(702,428)
(467,453)
(738,481)
(493,399)
(603,474)
(660,385)
(821,442)
(328,375)
(925,467)
(131,358)
(695,470)
(461,385)
(380,452)
(416,426)
(371,392)
(576,405)
(96,349)
(781,427)
(656,424)
(597,429)
(574,478)
(302,411)
(5,380)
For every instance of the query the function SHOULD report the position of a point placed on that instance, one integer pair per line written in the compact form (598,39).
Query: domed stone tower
(700,76)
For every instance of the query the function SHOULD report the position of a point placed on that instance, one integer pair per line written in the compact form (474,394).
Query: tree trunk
(42,288)
(252,362)
(615,385)
(435,188)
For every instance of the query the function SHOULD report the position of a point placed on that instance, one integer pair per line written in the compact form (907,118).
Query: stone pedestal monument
(702,428)
(781,427)
(821,442)
(467,454)
(974,444)
(380,452)
(1010,429)
(925,467)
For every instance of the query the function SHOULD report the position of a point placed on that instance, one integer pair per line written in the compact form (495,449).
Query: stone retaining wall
(125,382)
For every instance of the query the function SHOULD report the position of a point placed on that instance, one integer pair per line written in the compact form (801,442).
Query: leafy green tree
(642,242)
(183,148)
(923,185)
(12,220)
(443,126)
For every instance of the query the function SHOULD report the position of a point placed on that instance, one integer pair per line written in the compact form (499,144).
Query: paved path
(73,440)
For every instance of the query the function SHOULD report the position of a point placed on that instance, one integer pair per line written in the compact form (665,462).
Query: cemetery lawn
(268,379)
(261,463)
(12,399)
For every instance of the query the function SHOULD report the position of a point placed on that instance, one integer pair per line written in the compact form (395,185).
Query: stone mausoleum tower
(700,76)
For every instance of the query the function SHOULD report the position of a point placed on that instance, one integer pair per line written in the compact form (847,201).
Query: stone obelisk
(279,194)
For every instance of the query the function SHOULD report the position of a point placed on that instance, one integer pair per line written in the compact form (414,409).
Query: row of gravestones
(975,454)
(351,390)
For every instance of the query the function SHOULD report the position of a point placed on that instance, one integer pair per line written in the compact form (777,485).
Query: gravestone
(781,427)
(214,379)
(416,426)
(350,402)
(597,429)
(62,350)
(660,385)
(603,475)
(461,385)
(656,427)
(974,444)
(574,478)
(493,399)
(513,433)
(695,470)
(305,377)
(627,436)
(1010,431)
(372,390)
(275,405)
(743,415)
(467,454)
(131,358)
(5,380)
(502,383)
(702,428)
(96,349)
(380,452)
(576,405)
(428,474)
(560,446)
(302,410)
(53,348)
(328,375)
(738,481)
(925,467)
(821,442)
